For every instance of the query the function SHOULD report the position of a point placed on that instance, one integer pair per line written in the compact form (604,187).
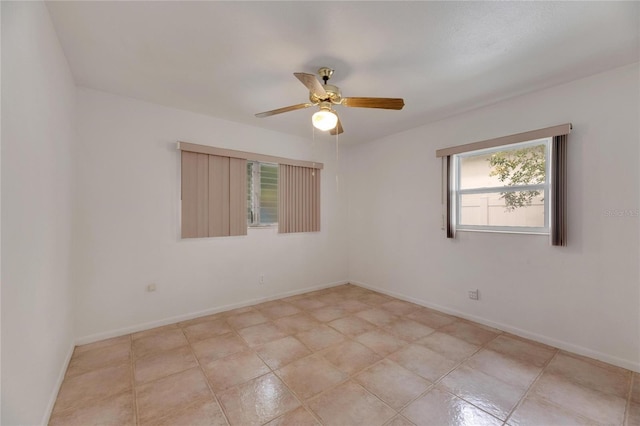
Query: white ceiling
(234,59)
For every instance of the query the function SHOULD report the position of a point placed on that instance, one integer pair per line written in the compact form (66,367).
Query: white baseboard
(185,317)
(567,346)
(56,388)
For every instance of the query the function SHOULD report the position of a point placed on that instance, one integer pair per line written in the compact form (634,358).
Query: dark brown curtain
(559,191)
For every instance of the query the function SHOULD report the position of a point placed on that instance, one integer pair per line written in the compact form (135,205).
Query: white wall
(583,297)
(0,223)
(128,221)
(38,134)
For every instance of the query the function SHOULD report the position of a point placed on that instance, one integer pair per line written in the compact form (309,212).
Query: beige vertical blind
(190,204)
(298,199)
(218,213)
(237,196)
(213,195)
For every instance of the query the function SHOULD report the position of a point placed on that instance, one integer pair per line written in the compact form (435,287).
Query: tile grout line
(204,374)
(272,371)
(352,377)
(436,382)
(342,382)
(398,410)
(407,343)
(349,376)
(186,407)
(304,402)
(580,414)
(429,388)
(93,400)
(502,332)
(298,398)
(455,367)
(133,382)
(533,383)
(318,353)
(234,331)
(627,410)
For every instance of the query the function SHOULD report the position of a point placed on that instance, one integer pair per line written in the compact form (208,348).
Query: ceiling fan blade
(281,110)
(312,83)
(338,129)
(383,103)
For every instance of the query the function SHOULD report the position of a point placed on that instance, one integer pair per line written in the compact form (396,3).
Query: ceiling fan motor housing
(333,95)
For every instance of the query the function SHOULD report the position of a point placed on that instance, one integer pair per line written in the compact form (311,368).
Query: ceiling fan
(325,96)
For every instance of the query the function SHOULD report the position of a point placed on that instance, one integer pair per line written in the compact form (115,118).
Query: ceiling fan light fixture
(325,119)
(325,96)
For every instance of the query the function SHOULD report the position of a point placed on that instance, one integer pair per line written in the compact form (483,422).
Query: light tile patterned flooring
(340,356)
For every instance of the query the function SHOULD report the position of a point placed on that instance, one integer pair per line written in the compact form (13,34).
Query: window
(224,191)
(504,189)
(531,172)
(262,193)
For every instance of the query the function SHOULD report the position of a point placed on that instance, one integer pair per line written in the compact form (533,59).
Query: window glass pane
(518,166)
(475,172)
(517,208)
(268,193)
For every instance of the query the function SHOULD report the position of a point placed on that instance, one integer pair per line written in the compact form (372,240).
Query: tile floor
(340,356)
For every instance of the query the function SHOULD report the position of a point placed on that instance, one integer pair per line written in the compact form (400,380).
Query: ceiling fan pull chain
(337,165)
(313,147)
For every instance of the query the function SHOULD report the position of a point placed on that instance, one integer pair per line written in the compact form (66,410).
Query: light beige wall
(128,221)
(38,141)
(583,297)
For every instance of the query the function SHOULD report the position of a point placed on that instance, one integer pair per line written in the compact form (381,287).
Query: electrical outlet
(474,294)
(151,287)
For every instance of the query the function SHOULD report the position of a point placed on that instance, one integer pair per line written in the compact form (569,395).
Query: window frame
(254,204)
(457,193)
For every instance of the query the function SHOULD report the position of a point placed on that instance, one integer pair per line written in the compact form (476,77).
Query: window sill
(274,226)
(500,231)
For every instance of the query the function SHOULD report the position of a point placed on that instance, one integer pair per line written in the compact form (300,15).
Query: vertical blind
(558,174)
(299,199)
(213,195)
